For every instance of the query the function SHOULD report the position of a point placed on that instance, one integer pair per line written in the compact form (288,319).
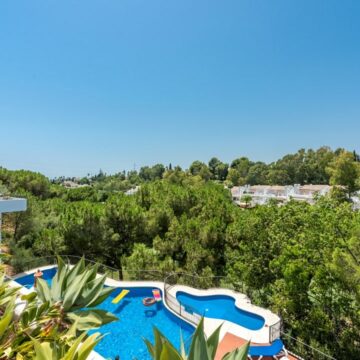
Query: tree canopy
(299,260)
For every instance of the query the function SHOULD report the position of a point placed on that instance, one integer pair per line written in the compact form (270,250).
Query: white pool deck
(260,336)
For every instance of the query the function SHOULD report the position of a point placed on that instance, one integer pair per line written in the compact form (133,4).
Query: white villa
(260,194)
(132,191)
(356,201)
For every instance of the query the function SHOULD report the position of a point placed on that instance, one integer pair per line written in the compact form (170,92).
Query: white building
(356,201)
(260,194)
(72,184)
(10,204)
(132,191)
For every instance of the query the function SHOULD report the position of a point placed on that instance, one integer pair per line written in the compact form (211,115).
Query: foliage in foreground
(67,346)
(75,289)
(200,348)
(41,330)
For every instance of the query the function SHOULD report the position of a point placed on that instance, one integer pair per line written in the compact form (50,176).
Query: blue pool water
(220,307)
(28,280)
(125,337)
(135,323)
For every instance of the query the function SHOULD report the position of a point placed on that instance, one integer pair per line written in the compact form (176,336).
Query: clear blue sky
(108,84)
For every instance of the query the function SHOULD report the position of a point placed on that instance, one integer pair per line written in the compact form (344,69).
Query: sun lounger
(274,350)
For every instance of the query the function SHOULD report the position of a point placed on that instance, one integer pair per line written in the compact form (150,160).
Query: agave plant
(34,322)
(7,306)
(65,347)
(74,291)
(6,320)
(201,348)
(42,330)
(6,293)
(40,342)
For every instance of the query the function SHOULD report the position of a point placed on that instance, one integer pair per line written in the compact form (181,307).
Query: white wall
(12,204)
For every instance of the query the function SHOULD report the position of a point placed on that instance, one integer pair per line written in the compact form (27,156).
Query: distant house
(261,194)
(356,201)
(132,191)
(72,184)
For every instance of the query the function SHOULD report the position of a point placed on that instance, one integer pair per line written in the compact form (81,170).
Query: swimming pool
(28,280)
(125,337)
(220,307)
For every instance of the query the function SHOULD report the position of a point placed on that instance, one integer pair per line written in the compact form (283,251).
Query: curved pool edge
(220,307)
(108,282)
(147,284)
(242,302)
(32,271)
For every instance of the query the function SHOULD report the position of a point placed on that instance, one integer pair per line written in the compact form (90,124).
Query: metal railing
(111,272)
(303,350)
(169,280)
(183,310)
(204,282)
(200,282)
(275,331)
(126,275)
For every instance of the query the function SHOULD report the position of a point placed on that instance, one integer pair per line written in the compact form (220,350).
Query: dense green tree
(125,224)
(242,165)
(83,193)
(198,168)
(344,170)
(23,180)
(356,156)
(283,256)
(294,166)
(303,167)
(155,172)
(145,263)
(4,191)
(234,178)
(345,263)
(175,176)
(82,230)
(257,174)
(133,177)
(100,176)
(300,260)
(278,177)
(218,169)
(158,171)
(316,163)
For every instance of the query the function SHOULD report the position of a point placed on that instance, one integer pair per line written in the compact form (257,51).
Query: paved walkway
(228,343)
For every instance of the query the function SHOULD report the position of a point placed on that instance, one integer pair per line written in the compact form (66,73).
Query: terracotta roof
(229,343)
